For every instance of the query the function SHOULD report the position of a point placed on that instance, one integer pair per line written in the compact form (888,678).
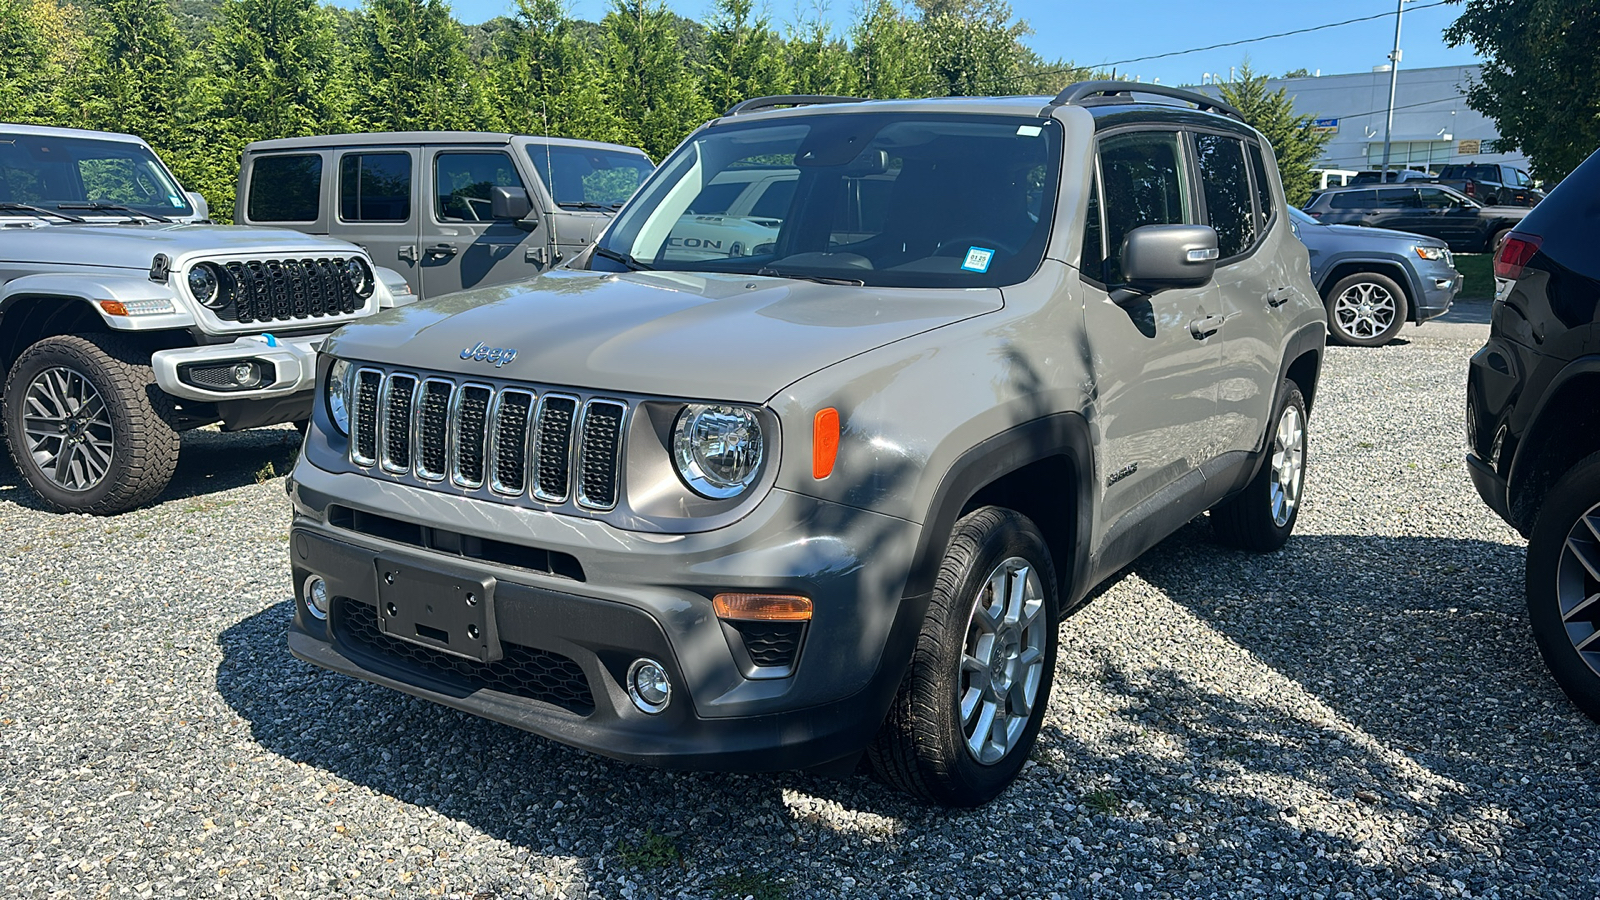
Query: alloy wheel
(1365,310)
(1288,465)
(68,429)
(1578,587)
(1002,664)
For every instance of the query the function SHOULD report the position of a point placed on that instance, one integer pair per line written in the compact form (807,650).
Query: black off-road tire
(1381,285)
(1250,519)
(144,443)
(921,748)
(1575,494)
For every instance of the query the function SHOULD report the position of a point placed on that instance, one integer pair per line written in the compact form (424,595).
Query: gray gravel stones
(1360,715)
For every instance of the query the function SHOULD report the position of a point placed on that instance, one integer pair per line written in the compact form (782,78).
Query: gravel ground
(1360,715)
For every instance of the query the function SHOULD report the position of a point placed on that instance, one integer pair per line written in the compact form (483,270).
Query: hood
(693,335)
(1378,234)
(135,246)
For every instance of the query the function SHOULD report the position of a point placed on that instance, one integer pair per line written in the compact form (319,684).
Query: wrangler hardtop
(829,496)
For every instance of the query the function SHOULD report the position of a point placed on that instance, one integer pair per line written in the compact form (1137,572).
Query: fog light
(317,598)
(246,374)
(649,686)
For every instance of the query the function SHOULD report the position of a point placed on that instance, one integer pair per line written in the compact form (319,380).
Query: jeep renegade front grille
(286,290)
(513,442)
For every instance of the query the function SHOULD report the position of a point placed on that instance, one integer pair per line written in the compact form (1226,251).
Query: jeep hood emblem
(482,352)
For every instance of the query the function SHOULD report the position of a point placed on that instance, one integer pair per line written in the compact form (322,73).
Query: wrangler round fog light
(317,599)
(649,686)
(246,374)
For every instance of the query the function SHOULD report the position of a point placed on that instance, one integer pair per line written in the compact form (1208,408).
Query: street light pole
(1394,74)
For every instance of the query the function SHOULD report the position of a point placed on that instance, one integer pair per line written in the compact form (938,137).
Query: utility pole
(1394,74)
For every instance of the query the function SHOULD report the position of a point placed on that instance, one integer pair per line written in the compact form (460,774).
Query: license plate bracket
(448,611)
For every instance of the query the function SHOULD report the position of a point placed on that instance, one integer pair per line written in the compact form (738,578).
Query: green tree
(890,52)
(413,71)
(1540,81)
(974,47)
(135,75)
(819,62)
(654,91)
(38,43)
(546,80)
(744,56)
(1292,137)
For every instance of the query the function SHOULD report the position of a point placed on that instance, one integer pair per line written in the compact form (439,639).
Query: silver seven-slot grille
(517,441)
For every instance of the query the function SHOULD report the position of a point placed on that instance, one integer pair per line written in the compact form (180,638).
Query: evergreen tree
(644,67)
(819,62)
(974,47)
(1292,137)
(744,56)
(37,44)
(890,53)
(135,75)
(412,69)
(547,81)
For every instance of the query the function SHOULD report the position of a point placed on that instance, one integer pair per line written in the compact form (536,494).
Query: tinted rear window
(375,187)
(285,188)
(1225,178)
(1353,200)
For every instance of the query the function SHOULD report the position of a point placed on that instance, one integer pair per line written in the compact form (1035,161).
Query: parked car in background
(448,210)
(1465,224)
(1374,280)
(1533,422)
(1327,178)
(1492,184)
(1394,176)
(124,322)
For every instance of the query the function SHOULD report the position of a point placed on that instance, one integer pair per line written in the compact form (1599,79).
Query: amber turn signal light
(762,607)
(824,443)
(113,307)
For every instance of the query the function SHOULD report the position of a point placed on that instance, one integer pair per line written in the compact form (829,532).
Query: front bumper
(1440,285)
(570,639)
(288,366)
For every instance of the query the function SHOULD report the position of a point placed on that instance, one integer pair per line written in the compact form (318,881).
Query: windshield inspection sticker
(978,259)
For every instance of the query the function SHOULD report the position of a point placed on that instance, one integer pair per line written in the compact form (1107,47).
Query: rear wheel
(1366,309)
(1562,583)
(86,425)
(972,700)
(1262,516)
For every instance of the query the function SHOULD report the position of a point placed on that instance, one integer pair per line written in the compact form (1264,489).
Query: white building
(1432,123)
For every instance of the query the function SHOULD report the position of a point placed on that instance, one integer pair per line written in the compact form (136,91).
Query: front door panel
(463,246)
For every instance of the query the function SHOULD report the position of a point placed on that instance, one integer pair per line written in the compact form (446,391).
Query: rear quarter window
(285,188)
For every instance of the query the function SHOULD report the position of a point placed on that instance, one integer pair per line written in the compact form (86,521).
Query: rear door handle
(442,251)
(1206,327)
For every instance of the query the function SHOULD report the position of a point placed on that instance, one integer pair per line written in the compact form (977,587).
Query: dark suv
(1492,184)
(1533,422)
(1458,220)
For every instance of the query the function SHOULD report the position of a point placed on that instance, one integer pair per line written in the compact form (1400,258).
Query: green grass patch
(1102,801)
(651,851)
(757,885)
(1477,270)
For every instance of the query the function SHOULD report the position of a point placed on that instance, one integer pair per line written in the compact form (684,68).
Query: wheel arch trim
(1533,438)
(89,289)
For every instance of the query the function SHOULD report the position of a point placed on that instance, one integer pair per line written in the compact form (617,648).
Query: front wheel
(1366,310)
(1562,586)
(86,425)
(1262,516)
(972,700)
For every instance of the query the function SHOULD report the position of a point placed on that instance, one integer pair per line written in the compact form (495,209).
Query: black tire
(1554,572)
(144,445)
(1253,518)
(922,747)
(1346,323)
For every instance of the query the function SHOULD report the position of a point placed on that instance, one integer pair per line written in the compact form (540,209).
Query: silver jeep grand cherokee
(125,318)
(829,495)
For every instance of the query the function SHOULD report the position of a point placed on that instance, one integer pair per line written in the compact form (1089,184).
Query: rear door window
(375,187)
(1265,208)
(1146,183)
(1398,198)
(1354,200)
(1225,181)
(285,188)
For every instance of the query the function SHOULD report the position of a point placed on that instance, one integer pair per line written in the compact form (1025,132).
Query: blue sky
(1091,33)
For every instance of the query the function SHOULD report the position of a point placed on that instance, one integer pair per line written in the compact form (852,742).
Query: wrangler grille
(283,290)
(513,441)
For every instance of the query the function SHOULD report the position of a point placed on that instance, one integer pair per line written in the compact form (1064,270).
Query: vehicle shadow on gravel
(211,462)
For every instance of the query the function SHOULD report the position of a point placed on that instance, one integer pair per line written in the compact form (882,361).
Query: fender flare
(89,289)
(1064,434)
(1532,436)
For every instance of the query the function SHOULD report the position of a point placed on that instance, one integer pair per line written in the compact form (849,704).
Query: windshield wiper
(100,205)
(819,279)
(582,204)
(23,207)
(617,256)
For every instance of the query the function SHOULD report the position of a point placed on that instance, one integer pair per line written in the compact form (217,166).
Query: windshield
(874,198)
(69,172)
(581,177)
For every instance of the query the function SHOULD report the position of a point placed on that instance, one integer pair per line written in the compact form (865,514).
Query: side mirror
(202,209)
(1169,256)
(509,203)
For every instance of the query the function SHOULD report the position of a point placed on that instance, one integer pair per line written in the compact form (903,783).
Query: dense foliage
(199,79)
(1541,77)
(1294,140)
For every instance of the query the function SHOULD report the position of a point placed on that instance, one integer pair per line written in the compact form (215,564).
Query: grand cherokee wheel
(1366,310)
(87,427)
(1262,516)
(971,702)
(1563,583)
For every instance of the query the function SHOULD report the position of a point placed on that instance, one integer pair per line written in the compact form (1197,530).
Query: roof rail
(762,104)
(1086,93)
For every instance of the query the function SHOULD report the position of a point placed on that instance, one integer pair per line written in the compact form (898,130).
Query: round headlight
(359,274)
(338,393)
(205,286)
(717,449)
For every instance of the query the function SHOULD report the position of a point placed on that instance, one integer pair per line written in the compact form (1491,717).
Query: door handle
(408,253)
(442,251)
(1280,296)
(1205,327)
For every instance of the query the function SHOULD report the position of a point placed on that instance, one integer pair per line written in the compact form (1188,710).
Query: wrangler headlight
(207,286)
(338,394)
(718,449)
(359,274)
